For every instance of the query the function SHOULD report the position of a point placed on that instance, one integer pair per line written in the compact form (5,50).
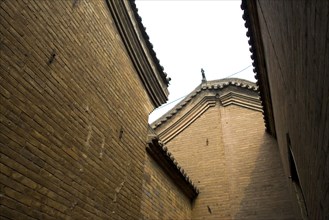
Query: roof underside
(250,15)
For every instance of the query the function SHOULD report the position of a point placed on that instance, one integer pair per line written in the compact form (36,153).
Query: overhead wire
(187,94)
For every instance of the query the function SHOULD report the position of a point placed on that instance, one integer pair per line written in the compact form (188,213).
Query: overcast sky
(190,35)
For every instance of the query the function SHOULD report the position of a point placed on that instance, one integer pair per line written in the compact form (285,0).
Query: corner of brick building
(233,161)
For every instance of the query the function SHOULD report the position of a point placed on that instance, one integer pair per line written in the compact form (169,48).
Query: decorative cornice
(234,98)
(140,50)
(188,118)
(208,85)
(165,159)
(250,15)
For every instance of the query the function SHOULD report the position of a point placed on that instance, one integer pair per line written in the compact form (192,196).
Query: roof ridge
(212,84)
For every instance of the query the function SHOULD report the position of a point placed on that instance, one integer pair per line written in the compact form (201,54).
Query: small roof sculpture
(203,75)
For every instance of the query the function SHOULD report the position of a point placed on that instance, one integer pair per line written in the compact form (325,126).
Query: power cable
(237,72)
(187,94)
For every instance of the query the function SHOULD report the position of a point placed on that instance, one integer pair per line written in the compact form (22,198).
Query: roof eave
(165,159)
(214,84)
(250,16)
(140,50)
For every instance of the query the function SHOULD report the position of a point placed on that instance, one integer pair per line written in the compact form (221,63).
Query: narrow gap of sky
(190,35)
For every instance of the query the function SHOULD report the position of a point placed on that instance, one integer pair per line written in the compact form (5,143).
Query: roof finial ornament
(203,75)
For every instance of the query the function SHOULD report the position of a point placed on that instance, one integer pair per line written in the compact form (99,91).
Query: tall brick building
(290,47)
(79,79)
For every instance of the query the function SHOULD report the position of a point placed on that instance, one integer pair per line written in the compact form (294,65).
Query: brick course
(297,69)
(233,161)
(162,198)
(73,114)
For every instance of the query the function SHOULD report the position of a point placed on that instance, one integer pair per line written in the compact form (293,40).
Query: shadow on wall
(267,195)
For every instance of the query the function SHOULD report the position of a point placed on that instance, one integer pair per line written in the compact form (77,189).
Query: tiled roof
(161,154)
(207,85)
(149,44)
(140,50)
(250,16)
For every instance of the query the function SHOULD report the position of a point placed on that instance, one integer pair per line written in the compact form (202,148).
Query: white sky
(190,35)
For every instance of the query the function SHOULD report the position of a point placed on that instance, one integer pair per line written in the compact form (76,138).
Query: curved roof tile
(259,66)
(158,148)
(148,43)
(214,84)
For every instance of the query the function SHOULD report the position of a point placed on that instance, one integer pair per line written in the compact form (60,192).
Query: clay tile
(246,24)
(243,5)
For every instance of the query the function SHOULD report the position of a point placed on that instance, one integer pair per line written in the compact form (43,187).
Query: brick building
(289,45)
(79,79)
(217,134)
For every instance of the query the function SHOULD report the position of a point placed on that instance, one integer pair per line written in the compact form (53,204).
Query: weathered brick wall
(235,164)
(162,198)
(295,38)
(73,114)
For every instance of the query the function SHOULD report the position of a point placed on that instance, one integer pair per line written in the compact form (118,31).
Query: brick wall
(73,114)
(297,66)
(235,164)
(162,198)
(257,184)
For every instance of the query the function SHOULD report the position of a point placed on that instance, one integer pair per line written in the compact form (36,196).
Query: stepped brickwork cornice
(140,50)
(208,85)
(225,92)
